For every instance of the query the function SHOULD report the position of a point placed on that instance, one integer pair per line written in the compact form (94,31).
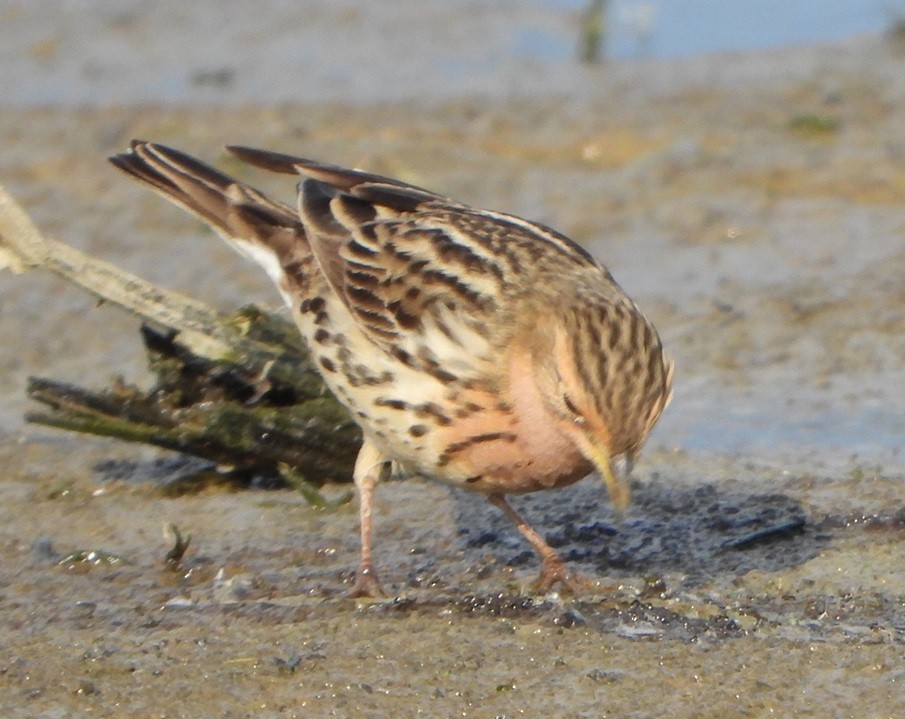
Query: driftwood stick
(23,246)
(202,329)
(237,390)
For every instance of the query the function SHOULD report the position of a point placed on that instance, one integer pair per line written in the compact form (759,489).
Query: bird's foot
(554,571)
(367,584)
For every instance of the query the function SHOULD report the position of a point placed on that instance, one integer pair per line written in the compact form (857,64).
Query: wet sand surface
(753,205)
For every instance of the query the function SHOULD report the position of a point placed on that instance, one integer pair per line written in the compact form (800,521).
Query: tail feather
(377,189)
(340,178)
(265,230)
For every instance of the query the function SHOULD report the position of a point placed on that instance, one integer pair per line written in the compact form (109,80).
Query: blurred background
(94,52)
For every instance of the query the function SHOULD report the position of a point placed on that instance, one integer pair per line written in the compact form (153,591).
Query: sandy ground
(753,205)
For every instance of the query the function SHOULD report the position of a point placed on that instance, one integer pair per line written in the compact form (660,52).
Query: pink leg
(371,467)
(553,568)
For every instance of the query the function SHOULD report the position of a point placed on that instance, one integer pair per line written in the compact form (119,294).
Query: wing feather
(419,273)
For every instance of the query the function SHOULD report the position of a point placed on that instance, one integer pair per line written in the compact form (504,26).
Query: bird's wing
(427,279)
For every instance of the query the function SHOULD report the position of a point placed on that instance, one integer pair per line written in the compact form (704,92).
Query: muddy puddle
(754,206)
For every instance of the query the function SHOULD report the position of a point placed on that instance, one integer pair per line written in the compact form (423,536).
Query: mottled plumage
(471,346)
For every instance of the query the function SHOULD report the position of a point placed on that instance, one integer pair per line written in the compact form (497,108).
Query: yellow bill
(620,493)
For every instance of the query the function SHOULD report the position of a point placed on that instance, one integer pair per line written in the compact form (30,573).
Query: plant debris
(237,390)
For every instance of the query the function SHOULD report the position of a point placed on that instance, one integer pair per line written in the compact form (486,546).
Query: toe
(367,585)
(555,571)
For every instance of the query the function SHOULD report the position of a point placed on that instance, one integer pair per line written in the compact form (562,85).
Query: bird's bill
(598,454)
(618,487)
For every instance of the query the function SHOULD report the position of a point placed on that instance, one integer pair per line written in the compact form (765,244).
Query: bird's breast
(488,434)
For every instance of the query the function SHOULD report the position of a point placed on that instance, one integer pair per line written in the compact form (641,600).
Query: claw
(554,571)
(367,584)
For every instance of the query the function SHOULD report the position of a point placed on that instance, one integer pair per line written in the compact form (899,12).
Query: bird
(471,346)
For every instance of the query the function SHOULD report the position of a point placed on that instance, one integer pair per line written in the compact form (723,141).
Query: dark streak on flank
(444,376)
(430,409)
(313,304)
(457,447)
(403,357)
(377,380)
(397,404)
(418,430)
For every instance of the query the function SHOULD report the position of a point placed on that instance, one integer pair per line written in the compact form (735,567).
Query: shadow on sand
(701,532)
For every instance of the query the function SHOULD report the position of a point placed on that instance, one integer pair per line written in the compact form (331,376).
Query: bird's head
(605,381)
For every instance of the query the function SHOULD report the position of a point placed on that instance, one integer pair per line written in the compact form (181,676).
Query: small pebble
(570,618)
(607,676)
(85,687)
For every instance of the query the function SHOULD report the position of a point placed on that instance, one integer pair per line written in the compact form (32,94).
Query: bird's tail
(262,229)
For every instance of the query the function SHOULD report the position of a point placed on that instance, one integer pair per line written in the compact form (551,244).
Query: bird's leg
(553,568)
(371,466)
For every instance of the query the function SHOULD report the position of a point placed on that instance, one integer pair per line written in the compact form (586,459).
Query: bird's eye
(570,405)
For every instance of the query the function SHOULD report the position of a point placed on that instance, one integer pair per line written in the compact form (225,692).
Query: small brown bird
(471,346)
